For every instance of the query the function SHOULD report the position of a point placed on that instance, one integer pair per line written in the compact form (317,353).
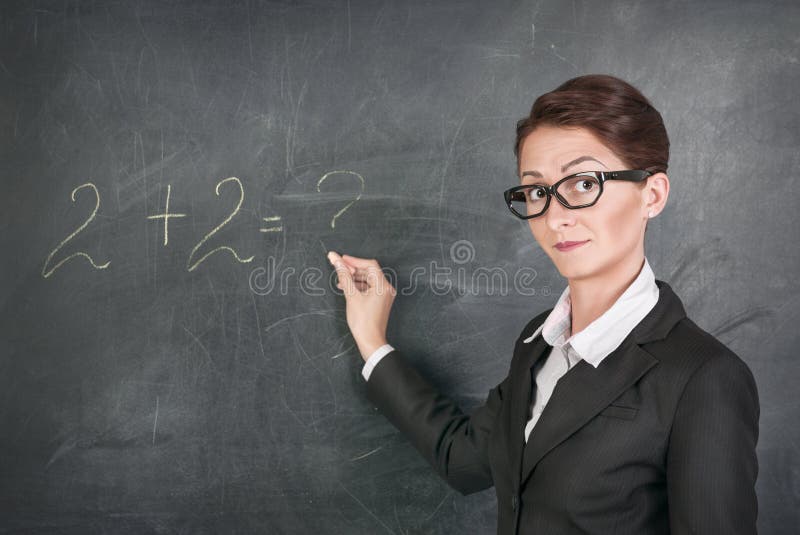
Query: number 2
(45,272)
(189,265)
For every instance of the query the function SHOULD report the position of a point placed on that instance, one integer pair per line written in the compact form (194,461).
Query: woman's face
(613,228)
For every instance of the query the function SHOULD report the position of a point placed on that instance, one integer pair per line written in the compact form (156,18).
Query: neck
(590,298)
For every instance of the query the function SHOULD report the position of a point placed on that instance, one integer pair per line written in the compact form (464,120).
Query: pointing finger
(360,262)
(346,281)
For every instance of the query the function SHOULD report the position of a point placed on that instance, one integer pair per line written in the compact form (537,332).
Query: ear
(655,195)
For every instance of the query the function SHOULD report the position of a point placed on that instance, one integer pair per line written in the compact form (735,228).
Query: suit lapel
(580,395)
(520,400)
(583,391)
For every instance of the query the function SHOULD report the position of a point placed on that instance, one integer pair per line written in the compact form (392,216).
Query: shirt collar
(607,332)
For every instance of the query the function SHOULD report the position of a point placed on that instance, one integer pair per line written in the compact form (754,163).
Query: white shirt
(592,344)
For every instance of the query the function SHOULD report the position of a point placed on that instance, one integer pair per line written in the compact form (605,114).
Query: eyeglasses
(580,190)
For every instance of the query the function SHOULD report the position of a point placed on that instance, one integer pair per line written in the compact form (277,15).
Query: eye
(580,185)
(536,193)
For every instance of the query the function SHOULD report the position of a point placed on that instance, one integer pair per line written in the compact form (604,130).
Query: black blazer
(659,438)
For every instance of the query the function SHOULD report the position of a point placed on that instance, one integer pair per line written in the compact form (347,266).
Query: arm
(711,461)
(453,443)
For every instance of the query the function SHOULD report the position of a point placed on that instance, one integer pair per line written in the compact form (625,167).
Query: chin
(580,268)
(574,272)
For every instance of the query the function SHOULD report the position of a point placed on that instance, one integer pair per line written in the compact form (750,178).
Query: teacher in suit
(619,415)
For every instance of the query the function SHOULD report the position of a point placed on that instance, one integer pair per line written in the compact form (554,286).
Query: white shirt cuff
(374,359)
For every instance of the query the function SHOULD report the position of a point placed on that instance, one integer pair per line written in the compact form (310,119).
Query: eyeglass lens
(577,191)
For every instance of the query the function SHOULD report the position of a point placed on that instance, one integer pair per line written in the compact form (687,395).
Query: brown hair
(613,110)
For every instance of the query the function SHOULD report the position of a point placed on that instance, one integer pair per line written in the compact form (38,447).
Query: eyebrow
(576,161)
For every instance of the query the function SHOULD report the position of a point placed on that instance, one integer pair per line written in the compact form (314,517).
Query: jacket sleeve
(455,444)
(711,460)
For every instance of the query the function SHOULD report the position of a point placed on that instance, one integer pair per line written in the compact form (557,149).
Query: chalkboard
(174,355)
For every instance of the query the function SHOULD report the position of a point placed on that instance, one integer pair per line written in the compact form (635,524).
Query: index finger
(343,272)
(363,263)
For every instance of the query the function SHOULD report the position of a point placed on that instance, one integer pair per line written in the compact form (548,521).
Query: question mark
(343,172)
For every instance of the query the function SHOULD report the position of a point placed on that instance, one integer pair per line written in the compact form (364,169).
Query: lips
(569,245)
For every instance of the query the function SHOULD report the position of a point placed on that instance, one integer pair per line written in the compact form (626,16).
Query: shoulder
(690,353)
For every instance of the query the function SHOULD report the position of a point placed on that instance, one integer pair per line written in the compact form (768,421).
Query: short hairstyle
(613,110)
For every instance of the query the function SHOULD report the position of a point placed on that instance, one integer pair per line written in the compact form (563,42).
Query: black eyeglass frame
(629,175)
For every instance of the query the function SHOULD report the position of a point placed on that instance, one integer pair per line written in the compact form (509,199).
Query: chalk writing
(191,266)
(192,261)
(166,216)
(272,229)
(348,205)
(47,272)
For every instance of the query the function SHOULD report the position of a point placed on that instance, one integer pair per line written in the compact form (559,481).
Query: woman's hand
(369,297)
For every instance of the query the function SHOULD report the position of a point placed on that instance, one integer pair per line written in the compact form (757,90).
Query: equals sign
(272,229)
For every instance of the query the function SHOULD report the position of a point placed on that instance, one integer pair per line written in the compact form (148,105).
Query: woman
(619,414)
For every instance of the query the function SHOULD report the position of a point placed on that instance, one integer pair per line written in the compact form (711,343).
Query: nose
(558,216)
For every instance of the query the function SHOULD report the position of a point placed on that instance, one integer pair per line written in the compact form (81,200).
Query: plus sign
(166,216)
